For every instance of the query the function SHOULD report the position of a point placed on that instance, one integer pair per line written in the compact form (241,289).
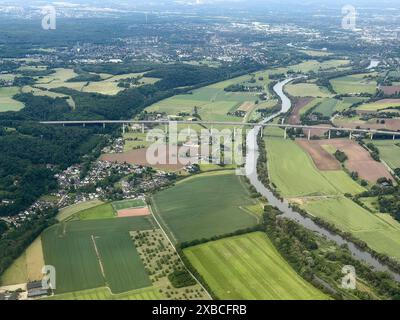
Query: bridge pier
(143,128)
(285,135)
(394,137)
(104,125)
(309,134)
(84,125)
(351,135)
(123,128)
(329,134)
(372,136)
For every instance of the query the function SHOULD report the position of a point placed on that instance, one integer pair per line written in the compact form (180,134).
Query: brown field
(135,212)
(322,158)
(390,124)
(299,104)
(319,132)
(138,157)
(246,106)
(359,159)
(389,90)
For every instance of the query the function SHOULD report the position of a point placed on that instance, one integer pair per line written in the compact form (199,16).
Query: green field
(7,103)
(249,267)
(285,158)
(314,65)
(389,152)
(70,211)
(204,206)
(104,211)
(150,293)
(380,232)
(126,204)
(71,248)
(307,90)
(212,102)
(380,105)
(329,106)
(354,84)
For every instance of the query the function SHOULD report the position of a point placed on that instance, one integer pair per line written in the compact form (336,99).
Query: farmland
(240,268)
(380,235)
(284,159)
(7,103)
(104,211)
(307,90)
(205,206)
(68,212)
(389,152)
(94,253)
(103,293)
(354,84)
(380,105)
(28,267)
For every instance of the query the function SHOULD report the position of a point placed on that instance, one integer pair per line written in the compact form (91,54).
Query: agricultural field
(104,293)
(103,211)
(68,212)
(329,106)
(7,103)
(307,90)
(314,65)
(389,152)
(380,105)
(212,102)
(204,206)
(240,268)
(316,53)
(28,267)
(284,159)
(96,253)
(355,84)
(380,232)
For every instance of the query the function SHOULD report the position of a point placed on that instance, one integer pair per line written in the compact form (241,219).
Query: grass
(310,105)
(212,102)
(307,90)
(126,204)
(70,211)
(285,158)
(379,105)
(104,293)
(104,211)
(354,84)
(28,267)
(7,103)
(204,206)
(40,92)
(389,152)
(249,267)
(314,65)
(70,248)
(327,107)
(380,232)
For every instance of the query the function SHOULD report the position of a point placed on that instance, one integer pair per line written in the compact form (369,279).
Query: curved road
(251,173)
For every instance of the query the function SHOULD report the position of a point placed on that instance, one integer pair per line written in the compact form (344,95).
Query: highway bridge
(306,128)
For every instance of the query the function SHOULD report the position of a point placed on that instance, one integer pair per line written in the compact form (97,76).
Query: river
(283,206)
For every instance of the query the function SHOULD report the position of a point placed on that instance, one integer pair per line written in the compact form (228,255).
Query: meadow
(28,267)
(249,267)
(104,293)
(285,158)
(204,206)
(103,211)
(380,232)
(380,105)
(354,84)
(307,90)
(126,204)
(329,106)
(389,152)
(314,65)
(7,103)
(68,212)
(96,253)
